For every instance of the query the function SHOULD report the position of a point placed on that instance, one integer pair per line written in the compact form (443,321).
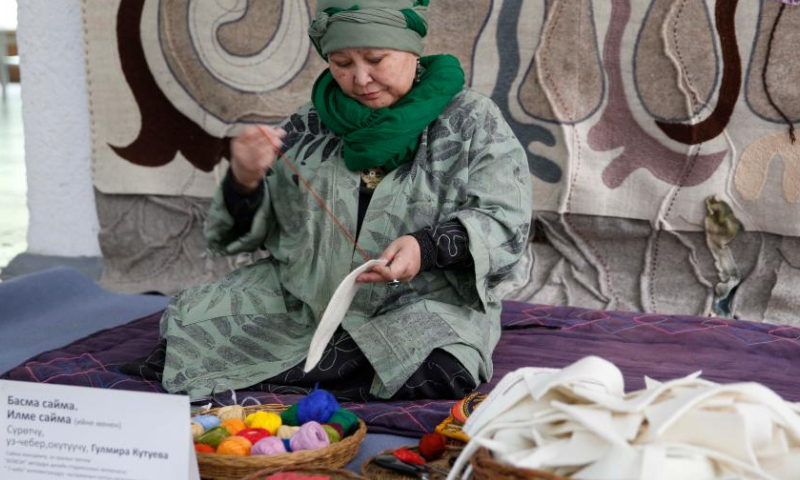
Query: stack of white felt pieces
(578,422)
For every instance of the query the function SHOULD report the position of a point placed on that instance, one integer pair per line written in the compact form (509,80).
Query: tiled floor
(13,186)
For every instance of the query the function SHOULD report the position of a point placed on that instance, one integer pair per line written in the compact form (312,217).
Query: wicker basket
(334,474)
(231,467)
(484,467)
(374,472)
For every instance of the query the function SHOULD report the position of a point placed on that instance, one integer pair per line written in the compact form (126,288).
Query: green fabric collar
(388,137)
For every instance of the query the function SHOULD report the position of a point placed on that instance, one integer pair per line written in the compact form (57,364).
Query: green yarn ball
(346,419)
(333,435)
(289,416)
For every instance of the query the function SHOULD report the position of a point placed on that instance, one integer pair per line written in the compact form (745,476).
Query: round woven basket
(484,467)
(214,466)
(374,472)
(333,473)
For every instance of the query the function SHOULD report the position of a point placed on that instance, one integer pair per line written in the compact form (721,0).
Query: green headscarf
(396,24)
(388,137)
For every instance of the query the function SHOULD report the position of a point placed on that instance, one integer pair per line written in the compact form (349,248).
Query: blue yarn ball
(286,444)
(318,406)
(207,421)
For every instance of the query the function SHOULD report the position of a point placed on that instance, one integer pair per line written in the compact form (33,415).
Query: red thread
(321,202)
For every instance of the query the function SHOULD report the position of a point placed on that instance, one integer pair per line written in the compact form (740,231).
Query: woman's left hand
(404,261)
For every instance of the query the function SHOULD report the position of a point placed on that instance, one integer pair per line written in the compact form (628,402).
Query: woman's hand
(404,259)
(254,152)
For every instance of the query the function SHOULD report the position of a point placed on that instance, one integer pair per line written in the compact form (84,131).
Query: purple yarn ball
(311,436)
(318,406)
(268,446)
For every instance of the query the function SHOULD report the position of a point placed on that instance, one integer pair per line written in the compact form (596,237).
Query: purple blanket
(660,346)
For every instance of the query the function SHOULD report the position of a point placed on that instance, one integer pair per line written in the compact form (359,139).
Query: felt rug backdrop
(633,113)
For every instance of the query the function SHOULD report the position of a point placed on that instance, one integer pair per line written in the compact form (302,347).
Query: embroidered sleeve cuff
(427,249)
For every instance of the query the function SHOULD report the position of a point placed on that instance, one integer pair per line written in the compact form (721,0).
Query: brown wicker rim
(484,467)
(334,474)
(231,467)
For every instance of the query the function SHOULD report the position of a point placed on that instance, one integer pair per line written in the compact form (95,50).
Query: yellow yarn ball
(286,432)
(235,446)
(234,425)
(267,420)
(231,411)
(197,430)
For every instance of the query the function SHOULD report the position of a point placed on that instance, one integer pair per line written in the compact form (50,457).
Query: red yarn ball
(432,446)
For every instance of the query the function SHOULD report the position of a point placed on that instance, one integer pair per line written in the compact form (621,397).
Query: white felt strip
(334,313)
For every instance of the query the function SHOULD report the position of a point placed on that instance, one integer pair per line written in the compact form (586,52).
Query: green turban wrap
(395,24)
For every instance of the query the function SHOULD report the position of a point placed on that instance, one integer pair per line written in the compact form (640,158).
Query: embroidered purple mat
(660,346)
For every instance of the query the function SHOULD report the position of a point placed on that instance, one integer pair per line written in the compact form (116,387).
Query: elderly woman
(424,173)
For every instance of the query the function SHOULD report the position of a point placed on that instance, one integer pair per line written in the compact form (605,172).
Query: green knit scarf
(388,137)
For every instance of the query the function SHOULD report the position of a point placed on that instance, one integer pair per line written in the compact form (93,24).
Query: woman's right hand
(254,151)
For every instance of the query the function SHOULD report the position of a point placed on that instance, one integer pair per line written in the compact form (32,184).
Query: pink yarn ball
(311,436)
(268,446)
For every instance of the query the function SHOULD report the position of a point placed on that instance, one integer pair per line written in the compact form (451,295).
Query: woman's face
(376,77)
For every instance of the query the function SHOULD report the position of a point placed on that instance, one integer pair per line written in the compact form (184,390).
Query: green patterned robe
(257,321)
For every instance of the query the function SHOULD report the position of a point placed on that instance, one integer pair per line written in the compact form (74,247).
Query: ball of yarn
(333,435)
(289,416)
(197,430)
(346,419)
(267,420)
(203,448)
(239,446)
(234,425)
(207,421)
(318,406)
(231,411)
(253,434)
(432,446)
(214,436)
(287,444)
(268,446)
(338,429)
(285,431)
(311,436)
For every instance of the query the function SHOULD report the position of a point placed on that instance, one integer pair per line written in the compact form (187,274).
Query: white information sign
(56,431)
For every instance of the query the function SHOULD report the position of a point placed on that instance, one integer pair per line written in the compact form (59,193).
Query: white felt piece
(721,431)
(512,393)
(758,424)
(546,455)
(723,461)
(595,420)
(334,313)
(661,415)
(653,460)
(696,467)
(778,445)
(516,439)
(591,372)
(561,428)
(581,449)
(650,383)
(627,425)
(622,462)
(783,466)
